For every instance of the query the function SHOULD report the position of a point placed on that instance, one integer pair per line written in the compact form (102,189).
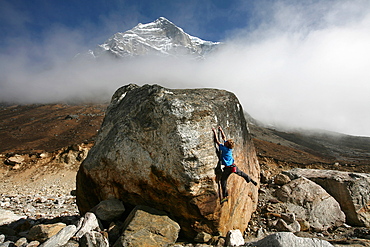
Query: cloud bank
(301,65)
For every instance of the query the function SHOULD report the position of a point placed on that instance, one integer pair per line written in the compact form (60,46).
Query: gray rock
(7,217)
(148,227)
(281,179)
(109,210)
(351,190)
(33,244)
(89,223)
(202,237)
(288,217)
(22,242)
(288,239)
(234,238)
(283,226)
(8,244)
(93,239)
(310,202)
(71,243)
(155,147)
(61,238)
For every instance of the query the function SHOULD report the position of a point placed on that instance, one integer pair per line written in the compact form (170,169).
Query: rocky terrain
(42,146)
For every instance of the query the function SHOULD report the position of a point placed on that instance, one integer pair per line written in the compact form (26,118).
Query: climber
(228,162)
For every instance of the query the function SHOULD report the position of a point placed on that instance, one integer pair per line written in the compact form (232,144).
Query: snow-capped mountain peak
(160,37)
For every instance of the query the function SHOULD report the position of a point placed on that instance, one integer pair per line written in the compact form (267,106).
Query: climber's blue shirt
(226,155)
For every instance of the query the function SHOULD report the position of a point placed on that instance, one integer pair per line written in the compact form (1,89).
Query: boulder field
(156,148)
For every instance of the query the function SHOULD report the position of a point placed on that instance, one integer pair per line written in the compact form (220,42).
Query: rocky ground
(37,176)
(41,186)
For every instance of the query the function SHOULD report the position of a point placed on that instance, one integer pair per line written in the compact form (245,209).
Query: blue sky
(96,19)
(292,63)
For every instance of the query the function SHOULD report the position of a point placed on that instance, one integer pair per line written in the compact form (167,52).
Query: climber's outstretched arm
(215,136)
(222,133)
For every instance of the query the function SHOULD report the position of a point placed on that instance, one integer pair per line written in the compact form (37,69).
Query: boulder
(156,148)
(288,239)
(310,202)
(351,190)
(146,226)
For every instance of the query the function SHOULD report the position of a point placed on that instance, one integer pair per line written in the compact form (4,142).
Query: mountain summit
(160,37)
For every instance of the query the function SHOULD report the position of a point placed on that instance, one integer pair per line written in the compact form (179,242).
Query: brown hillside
(38,128)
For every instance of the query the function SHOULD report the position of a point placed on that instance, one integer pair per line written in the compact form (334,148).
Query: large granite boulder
(351,190)
(156,148)
(308,201)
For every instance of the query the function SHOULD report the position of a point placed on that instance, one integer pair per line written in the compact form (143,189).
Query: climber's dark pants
(225,175)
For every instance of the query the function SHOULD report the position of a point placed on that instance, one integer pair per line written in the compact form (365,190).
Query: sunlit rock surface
(156,148)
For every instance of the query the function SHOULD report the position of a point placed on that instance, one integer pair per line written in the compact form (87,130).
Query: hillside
(309,149)
(39,128)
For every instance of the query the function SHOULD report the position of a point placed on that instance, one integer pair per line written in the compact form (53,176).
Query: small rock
(8,244)
(33,244)
(14,160)
(94,238)
(281,179)
(305,225)
(202,237)
(234,238)
(260,233)
(288,217)
(21,242)
(89,223)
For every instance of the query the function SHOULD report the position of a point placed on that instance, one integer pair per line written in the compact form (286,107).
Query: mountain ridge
(158,38)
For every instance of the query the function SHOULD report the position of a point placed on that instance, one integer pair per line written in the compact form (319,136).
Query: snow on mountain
(160,37)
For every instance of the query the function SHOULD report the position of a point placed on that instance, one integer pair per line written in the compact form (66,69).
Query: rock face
(310,202)
(156,148)
(351,190)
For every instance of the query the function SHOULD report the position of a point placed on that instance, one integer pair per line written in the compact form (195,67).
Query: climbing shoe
(225,199)
(254,182)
